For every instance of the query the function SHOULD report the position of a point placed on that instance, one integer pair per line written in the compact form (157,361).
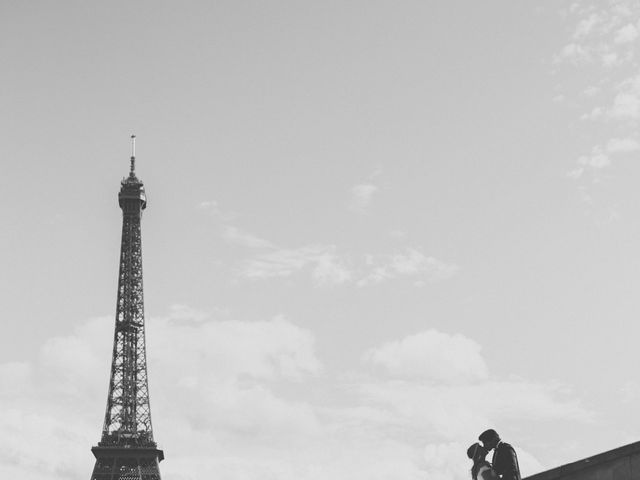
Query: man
(505,461)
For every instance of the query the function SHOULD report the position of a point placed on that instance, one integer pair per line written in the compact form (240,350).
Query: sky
(374,229)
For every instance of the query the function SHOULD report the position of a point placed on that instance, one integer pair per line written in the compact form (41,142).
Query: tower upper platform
(132,196)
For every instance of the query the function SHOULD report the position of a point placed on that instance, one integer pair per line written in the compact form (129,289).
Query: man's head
(489,438)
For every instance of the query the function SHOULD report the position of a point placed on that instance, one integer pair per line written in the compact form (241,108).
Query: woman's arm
(488,474)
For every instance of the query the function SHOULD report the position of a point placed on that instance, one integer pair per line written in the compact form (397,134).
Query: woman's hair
(472,450)
(476,452)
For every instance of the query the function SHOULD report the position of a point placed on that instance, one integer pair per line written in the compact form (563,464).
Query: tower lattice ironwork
(127,450)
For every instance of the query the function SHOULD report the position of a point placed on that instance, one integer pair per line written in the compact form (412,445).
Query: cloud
(329,270)
(595,114)
(208,204)
(14,377)
(602,33)
(398,234)
(593,163)
(610,59)
(238,399)
(234,235)
(576,173)
(575,53)
(602,46)
(361,197)
(326,267)
(213,207)
(48,404)
(626,105)
(205,376)
(264,350)
(440,383)
(450,411)
(410,262)
(599,158)
(591,90)
(443,461)
(622,145)
(586,25)
(630,392)
(431,355)
(190,314)
(626,34)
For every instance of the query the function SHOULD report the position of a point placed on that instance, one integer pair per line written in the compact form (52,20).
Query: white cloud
(626,104)
(626,34)
(602,47)
(205,376)
(449,412)
(622,145)
(622,9)
(586,25)
(361,197)
(14,377)
(413,261)
(598,159)
(443,461)
(49,407)
(442,385)
(329,267)
(591,91)
(234,235)
(431,355)
(75,359)
(398,234)
(208,204)
(410,262)
(264,350)
(187,313)
(576,173)
(213,207)
(574,52)
(630,392)
(330,270)
(610,59)
(595,114)
(325,265)
(235,399)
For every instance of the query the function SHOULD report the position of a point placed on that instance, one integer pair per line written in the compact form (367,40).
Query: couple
(504,464)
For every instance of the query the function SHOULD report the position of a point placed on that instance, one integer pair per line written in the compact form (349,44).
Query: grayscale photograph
(320,240)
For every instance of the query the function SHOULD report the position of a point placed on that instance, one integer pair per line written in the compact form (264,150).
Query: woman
(481,469)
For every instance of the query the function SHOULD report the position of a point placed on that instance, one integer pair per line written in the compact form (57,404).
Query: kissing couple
(504,464)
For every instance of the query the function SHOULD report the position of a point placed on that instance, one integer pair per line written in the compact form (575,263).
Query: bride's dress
(485,472)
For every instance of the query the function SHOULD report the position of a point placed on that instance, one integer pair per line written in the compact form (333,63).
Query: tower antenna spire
(133,154)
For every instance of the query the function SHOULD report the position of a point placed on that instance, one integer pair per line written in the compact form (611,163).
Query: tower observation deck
(126,450)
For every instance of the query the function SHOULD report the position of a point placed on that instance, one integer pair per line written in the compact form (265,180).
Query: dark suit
(505,462)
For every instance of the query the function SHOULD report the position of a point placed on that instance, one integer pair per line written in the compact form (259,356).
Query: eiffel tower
(126,450)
